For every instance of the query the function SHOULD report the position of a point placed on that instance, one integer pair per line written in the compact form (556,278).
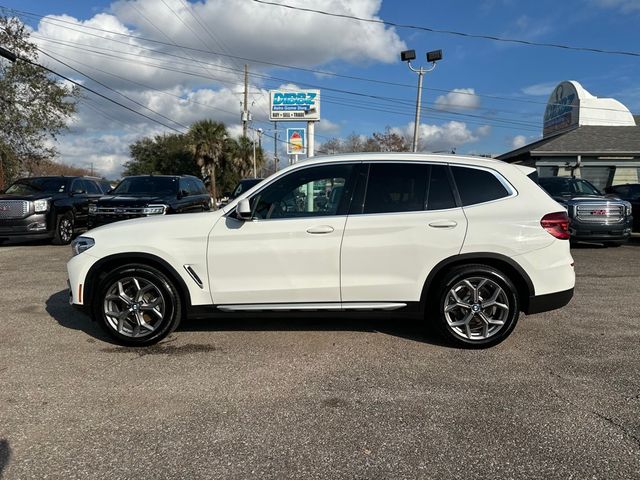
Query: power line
(113,90)
(96,92)
(452,32)
(45,19)
(365,105)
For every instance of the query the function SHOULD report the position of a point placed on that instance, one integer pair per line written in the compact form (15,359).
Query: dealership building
(597,139)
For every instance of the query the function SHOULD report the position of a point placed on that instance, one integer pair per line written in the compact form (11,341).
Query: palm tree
(207,143)
(241,154)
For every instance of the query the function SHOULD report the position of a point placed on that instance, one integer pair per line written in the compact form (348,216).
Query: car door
(93,193)
(406,222)
(79,202)
(289,254)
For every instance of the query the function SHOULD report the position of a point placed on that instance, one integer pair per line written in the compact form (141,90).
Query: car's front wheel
(477,306)
(64,229)
(137,305)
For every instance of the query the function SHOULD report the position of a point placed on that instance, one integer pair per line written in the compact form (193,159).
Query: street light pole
(416,125)
(432,57)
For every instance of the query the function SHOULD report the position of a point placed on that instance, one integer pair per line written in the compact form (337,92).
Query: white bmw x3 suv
(467,243)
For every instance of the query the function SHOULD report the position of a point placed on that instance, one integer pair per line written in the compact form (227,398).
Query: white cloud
(448,136)
(518,141)
(540,89)
(328,127)
(186,85)
(458,99)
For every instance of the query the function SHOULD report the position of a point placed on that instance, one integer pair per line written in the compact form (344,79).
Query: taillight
(557,224)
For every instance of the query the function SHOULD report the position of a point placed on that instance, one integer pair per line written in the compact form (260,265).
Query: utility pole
(245,104)
(275,146)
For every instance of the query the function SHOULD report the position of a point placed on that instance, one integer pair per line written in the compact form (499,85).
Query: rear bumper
(550,301)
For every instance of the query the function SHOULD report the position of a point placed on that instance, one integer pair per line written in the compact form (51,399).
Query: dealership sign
(296,141)
(571,106)
(298,105)
(563,109)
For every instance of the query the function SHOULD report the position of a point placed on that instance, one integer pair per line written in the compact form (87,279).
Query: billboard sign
(289,105)
(563,109)
(296,141)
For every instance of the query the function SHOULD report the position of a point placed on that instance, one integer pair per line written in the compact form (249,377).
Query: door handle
(320,229)
(443,224)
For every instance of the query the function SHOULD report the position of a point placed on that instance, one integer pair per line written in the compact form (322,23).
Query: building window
(547,171)
(601,177)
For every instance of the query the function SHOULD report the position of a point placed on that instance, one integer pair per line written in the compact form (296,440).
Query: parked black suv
(594,217)
(631,193)
(145,195)
(48,207)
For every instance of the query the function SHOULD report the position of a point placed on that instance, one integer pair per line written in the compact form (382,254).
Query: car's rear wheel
(477,306)
(137,305)
(64,229)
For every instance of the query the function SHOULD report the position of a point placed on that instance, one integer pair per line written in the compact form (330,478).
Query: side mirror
(243,209)
(78,192)
(183,193)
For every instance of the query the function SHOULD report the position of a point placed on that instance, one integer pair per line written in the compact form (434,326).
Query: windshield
(568,187)
(30,186)
(147,186)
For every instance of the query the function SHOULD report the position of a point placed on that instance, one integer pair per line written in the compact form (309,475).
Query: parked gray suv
(594,216)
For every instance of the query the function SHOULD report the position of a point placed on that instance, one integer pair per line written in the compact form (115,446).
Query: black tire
(163,319)
(476,313)
(64,229)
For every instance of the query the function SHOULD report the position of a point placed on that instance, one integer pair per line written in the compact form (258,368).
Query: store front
(597,139)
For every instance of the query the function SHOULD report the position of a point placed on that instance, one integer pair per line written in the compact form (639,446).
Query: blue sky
(471,121)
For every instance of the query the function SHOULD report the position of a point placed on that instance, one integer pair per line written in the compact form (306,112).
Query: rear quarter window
(477,186)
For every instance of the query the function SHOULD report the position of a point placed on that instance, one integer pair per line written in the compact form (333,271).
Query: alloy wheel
(476,308)
(66,229)
(134,307)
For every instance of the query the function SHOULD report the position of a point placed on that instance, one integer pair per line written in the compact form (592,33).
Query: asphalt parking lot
(320,398)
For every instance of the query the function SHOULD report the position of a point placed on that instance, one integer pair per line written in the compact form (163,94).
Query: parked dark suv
(594,217)
(631,193)
(145,195)
(48,207)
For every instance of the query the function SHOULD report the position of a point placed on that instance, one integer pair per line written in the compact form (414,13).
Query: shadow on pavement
(58,307)
(403,328)
(5,454)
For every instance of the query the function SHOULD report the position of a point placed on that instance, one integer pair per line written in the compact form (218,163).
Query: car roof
(407,157)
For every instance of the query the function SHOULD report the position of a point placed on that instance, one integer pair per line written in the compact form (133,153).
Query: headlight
(81,244)
(41,206)
(629,208)
(155,210)
(93,208)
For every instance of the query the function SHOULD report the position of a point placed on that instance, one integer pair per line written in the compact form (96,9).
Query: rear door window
(477,186)
(440,195)
(396,187)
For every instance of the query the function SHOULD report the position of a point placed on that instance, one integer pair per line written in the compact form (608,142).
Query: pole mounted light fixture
(432,57)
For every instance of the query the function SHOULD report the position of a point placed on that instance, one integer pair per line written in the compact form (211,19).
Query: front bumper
(600,232)
(33,227)
(550,301)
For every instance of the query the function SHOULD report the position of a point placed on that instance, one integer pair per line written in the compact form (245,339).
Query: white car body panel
(384,255)
(275,261)
(179,240)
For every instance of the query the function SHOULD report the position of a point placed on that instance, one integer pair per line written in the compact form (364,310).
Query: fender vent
(192,273)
